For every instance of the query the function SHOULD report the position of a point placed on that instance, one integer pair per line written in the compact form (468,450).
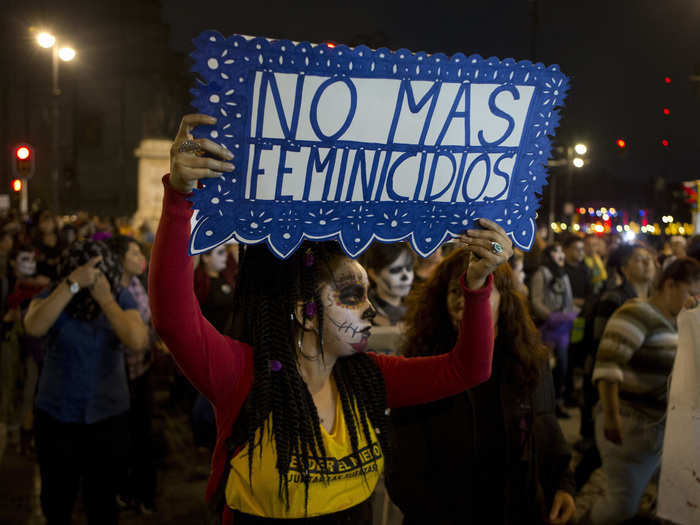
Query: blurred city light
(621,143)
(66,54)
(578,162)
(46,40)
(22,153)
(580,149)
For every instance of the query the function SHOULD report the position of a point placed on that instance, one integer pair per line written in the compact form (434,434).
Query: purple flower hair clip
(275,365)
(310,309)
(309,258)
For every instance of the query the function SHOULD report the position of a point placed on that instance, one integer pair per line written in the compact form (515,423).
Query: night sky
(616,53)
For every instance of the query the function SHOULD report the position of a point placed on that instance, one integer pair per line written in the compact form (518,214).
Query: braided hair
(268,292)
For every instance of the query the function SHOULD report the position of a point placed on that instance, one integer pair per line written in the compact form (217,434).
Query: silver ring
(496,248)
(188,146)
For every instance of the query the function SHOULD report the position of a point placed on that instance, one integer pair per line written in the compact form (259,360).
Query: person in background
(593,248)
(636,266)
(214,285)
(553,309)
(83,395)
(69,234)
(138,485)
(581,280)
(424,266)
(6,244)
(494,454)
(517,264)
(580,276)
(634,360)
(48,244)
(677,249)
(693,248)
(390,269)
(27,351)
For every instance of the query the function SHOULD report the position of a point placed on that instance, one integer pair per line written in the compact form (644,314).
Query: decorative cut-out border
(226,69)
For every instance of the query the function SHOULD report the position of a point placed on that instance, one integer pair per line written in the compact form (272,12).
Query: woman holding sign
(302,430)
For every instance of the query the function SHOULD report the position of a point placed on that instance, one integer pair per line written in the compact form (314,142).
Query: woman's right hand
(186,167)
(86,275)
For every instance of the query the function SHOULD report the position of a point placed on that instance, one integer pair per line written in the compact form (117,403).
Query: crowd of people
(478,355)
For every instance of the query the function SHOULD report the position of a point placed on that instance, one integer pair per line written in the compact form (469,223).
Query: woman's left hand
(490,248)
(563,508)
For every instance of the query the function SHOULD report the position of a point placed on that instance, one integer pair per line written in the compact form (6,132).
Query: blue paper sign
(360,145)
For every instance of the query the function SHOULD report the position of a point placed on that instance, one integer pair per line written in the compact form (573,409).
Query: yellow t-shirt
(344,486)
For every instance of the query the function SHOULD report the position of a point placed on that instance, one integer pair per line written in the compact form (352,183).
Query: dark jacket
(438,473)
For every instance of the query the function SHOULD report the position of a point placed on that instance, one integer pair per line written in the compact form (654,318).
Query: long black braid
(267,293)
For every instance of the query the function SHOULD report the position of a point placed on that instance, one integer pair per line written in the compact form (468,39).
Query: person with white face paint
(390,268)
(214,284)
(301,408)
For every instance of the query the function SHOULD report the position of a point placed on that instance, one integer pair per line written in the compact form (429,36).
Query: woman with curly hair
(300,407)
(495,453)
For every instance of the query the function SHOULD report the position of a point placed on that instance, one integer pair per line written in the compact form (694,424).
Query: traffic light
(23,162)
(621,143)
(17,185)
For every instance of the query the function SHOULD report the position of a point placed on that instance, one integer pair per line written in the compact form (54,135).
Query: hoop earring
(300,344)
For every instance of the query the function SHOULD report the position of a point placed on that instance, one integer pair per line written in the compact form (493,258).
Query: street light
(580,149)
(578,162)
(46,40)
(66,54)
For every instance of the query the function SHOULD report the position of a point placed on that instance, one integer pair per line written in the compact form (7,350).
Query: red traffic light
(665,143)
(667,111)
(621,143)
(17,185)
(667,80)
(23,153)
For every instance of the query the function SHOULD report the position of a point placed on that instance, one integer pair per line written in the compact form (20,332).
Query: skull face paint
(396,279)
(25,264)
(347,311)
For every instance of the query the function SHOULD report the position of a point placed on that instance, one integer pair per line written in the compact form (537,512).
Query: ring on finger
(496,248)
(190,146)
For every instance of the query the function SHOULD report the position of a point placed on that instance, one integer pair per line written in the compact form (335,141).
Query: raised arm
(418,380)
(210,360)
(43,313)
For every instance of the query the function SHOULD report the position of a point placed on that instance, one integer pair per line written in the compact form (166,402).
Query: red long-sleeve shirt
(222,369)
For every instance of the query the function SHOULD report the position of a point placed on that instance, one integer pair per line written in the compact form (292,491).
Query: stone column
(154,162)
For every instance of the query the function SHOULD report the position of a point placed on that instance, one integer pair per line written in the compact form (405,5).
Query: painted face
(558,256)
(396,279)
(680,293)
(455,303)
(347,311)
(216,259)
(26,264)
(134,261)
(640,267)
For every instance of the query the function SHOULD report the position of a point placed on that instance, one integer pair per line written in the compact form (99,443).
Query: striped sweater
(637,351)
